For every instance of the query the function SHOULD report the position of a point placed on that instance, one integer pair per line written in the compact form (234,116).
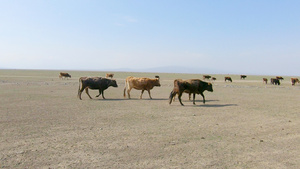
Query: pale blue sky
(229,36)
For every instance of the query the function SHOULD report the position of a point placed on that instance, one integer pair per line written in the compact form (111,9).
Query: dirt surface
(244,124)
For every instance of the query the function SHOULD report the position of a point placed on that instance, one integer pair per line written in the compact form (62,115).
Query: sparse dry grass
(244,124)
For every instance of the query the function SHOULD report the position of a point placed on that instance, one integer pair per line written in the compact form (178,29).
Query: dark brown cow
(294,80)
(206,77)
(213,78)
(95,83)
(195,86)
(64,75)
(243,76)
(111,75)
(140,83)
(265,80)
(228,78)
(279,78)
(275,81)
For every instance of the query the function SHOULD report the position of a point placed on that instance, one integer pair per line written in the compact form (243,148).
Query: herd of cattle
(191,86)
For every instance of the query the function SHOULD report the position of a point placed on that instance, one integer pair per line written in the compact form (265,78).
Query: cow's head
(113,83)
(209,87)
(156,82)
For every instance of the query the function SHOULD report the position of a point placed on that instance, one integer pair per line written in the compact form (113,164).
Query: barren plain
(243,124)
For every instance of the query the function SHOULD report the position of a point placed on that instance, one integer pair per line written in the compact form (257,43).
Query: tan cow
(265,80)
(111,75)
(64,75)
(141,83)
(294,80)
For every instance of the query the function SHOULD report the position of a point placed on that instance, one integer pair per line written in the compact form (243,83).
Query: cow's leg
(190,96)
(87,92)
(194,96)
(179,98)
(128,92)
(80,92)
(203,98)
(141,94)
(149,94)
(100,92)
(172,95)
(103,94)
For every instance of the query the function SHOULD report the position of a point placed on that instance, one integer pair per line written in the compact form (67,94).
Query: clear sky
(229,36)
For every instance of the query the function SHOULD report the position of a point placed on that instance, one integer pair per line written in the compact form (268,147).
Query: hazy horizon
(224,37)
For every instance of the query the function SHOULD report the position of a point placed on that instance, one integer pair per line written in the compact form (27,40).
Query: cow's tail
(80,82)
(172,95)
(125,88)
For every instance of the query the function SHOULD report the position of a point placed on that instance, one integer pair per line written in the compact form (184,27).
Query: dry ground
(244,124)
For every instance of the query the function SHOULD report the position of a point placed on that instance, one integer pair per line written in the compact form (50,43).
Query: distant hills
(171,69)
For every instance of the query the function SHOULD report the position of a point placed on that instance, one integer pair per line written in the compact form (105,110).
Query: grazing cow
(265,80)
(206,77)
(213,78)
(228,78)
(141,83)
(111,75)
(279,78)
(195,86)
(294,80)
(64,75)
(95,83)
(243,76)
(275,81)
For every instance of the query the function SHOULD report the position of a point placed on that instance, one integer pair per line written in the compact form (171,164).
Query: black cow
(243,76)
(275,81)
(195,86)
(206,77)
(95,83)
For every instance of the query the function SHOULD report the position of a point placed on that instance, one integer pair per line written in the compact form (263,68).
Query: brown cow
(275,81)
(279,78)
(243,76)
(228,78)
(294,80)
(265,80)
(95,83)
(206,77)
(195,86)
(213,78)
(111,75)
(64,75)
(140,83)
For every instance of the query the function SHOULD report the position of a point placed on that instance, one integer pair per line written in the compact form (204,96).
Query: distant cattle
(95,83)
(142,83)
(64,75)
(265,80)
(195,86)
(111,75)
(157,76)
(294,80)
(228,78)
(279,78)
(213,78)
(275,81)
(206,77)
(243,76)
